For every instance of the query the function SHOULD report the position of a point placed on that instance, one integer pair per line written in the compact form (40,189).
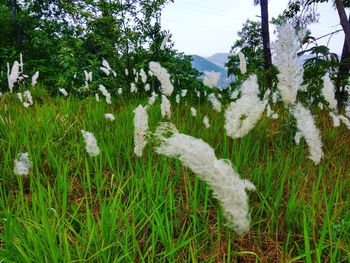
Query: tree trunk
(343,71)
(15,28)
(266,40)
(18,31)
(14,10)
(343,20)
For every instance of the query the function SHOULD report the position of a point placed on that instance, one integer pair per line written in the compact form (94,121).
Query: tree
(344,66)
(265,34)
(299,13)
(250,44)
(343,20)
(63,38)
(303,12)
(343,74)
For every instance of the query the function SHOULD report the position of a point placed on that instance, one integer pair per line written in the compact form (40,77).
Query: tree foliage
(299,13)
(62,38)
(251,45)
(318,59)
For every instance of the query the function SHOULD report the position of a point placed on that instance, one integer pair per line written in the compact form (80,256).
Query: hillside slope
(202,64)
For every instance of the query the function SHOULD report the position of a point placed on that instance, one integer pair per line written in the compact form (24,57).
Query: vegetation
(119,208)
(84,188)
(126,32)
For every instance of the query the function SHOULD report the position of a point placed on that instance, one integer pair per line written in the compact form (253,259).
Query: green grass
(120,208)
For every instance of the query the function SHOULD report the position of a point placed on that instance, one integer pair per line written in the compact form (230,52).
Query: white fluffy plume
(19,96)
(109,117)
(215,102)
(165,40)
(28,97)
(165,107)
(328,92)
(133,88)
(63,91)
(344,120)
(35,78)
(242,115)
(347,111)
(21,63)
(337,119)
(147,87)
(306,125)
(211,78)
(105,93)
(22,164)
(152,99)
(106,64)
(242,63)
(143,76)
(234,95)
(90,143)
(105,70)
(140,129)
(290,71)
(88,76)
(250,87)
(206,122)
(298,137)
(13,75)
(163,77)
(227,187)
(193,112)
(270,113)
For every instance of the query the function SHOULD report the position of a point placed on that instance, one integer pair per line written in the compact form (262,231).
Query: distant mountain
(202,64)
(219,59)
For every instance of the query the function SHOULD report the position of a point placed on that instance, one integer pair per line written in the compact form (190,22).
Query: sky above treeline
(206,27)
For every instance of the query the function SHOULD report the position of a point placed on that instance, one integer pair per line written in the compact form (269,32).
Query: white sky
(206,27)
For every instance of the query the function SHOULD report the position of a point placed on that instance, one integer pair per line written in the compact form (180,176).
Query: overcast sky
(206,27)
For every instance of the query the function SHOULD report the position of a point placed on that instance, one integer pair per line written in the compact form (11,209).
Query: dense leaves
(251,45)
(61,39)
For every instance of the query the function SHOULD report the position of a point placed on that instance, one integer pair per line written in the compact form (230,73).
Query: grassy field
(120,208)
